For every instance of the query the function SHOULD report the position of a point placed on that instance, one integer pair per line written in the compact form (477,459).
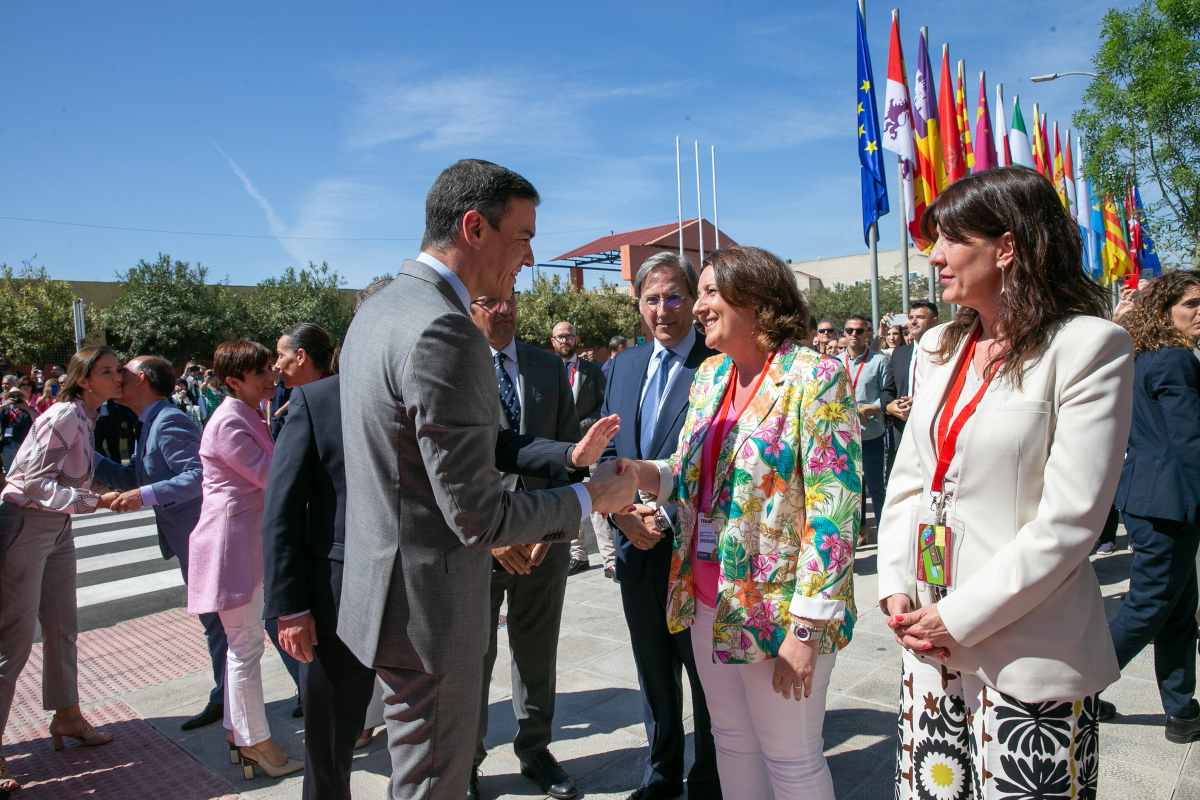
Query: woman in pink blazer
(225,569)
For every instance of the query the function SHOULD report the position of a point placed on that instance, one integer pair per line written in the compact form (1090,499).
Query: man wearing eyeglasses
(587,387)
(867,371)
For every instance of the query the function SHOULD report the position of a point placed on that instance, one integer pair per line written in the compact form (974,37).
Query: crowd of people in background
(733,448)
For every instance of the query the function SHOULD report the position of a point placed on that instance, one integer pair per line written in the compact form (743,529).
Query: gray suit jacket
(424,501)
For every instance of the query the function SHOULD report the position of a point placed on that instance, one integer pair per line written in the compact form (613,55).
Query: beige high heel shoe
(81,731)
(252,757)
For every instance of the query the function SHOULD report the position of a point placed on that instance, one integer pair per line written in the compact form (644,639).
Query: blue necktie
(652,399)
(508,394)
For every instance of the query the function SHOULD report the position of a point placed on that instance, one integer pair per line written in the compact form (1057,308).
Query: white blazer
(1039,468)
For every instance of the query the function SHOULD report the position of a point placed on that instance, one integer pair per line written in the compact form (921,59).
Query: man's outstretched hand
(591,446)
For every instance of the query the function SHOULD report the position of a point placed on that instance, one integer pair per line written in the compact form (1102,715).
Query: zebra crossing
(120,571)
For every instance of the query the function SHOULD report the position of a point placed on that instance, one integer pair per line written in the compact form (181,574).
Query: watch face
(801,633)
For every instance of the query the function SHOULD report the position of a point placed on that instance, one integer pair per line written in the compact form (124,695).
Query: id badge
(706,537)
(935,555)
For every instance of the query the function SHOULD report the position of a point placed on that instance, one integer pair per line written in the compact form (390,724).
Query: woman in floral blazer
(767,477)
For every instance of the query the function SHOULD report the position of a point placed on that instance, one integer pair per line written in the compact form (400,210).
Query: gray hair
(666,260)
(615,342)
(470,185)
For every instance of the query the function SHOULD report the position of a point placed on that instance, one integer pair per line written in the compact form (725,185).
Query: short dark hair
(471,185)
(315,341)
(80,367)
(858,317)
(915,304)
(749,277)
(237,358)
(159,374)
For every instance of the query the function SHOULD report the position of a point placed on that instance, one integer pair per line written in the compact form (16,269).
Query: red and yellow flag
(1116,248)
(1041,161)
(964,123)
(1060,171)
(952,152)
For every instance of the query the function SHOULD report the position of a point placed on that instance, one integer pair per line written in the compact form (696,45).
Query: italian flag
(1018,137)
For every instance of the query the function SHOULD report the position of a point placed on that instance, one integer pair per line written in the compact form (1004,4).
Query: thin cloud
(275,223)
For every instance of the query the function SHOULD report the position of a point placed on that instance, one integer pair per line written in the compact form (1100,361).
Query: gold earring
(1003,280)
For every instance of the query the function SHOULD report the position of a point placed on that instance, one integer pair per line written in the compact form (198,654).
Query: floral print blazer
(787,507)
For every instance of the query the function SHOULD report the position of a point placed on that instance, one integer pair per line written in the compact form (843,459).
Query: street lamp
(1056,75)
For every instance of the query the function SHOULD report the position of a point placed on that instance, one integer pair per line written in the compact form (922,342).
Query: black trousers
(336,690)
(535,603)
(1160,607)
(661,658)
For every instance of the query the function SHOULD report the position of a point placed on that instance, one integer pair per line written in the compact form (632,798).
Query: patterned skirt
(961,740)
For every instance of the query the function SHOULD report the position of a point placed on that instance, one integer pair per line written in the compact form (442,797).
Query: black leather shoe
(473,786)
(544,770)
(577,566)
(298,711)
(213,712)
(1181,730)
(655,791)
(1106,711)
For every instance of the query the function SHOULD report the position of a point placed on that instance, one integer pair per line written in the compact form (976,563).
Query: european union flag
(870,156)
(1147,255)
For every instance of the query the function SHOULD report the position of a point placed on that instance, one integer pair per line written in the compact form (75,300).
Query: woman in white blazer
(983,551)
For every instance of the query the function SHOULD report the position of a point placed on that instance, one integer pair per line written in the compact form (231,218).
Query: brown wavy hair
(750,277)
(1149,321)
(79,368)
(1046,284)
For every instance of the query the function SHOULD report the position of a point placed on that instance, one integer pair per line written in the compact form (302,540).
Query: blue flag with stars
(870,156)
(1147,256)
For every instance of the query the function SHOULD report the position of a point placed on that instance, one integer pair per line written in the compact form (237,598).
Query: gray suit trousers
(37,583)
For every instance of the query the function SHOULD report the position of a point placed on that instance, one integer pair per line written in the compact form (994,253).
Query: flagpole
(699,207)
(679,196)
(717,231)
(873,232)
(904,299)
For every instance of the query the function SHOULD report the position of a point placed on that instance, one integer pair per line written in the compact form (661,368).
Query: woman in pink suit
(225,570)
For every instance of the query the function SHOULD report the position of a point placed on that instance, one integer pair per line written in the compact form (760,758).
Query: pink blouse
(52,470)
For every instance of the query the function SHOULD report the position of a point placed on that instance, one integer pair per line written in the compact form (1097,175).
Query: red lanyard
(858,373)
(725,420)
(949,427)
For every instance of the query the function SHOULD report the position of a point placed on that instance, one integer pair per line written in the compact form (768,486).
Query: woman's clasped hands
(921,631)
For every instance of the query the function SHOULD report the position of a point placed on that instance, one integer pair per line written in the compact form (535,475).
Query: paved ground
(143,669)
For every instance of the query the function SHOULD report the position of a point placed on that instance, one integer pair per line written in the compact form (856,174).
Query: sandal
(81,731)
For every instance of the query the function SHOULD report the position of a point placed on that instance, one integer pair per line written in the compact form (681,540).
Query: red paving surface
(141,762)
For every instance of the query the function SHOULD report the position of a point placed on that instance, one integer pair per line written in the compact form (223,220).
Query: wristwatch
(804,633)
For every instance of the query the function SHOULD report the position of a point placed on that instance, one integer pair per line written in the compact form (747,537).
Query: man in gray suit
(534,577)
(164,473)
(425,504)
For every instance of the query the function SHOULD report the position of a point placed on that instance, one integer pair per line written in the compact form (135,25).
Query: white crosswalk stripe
(120,571)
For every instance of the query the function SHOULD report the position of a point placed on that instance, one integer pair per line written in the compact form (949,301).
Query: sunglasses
(827,331)
(853,331)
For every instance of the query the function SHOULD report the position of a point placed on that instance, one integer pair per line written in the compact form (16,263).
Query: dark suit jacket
(591,394)
(1161,475)
(304,515)
(895,381)
(623,397)
(547,407)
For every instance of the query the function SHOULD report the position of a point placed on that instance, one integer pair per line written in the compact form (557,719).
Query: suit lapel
(676,401)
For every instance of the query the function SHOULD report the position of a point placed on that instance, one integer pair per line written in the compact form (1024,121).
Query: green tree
(308,295)
(839,302)
(1141,117)
(36,312)
(169,308)
(597,314)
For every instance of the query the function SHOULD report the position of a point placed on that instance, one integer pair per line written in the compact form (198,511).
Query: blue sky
(318,127)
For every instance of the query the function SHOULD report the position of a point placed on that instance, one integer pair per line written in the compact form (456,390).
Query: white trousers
(245,712)
(764,742)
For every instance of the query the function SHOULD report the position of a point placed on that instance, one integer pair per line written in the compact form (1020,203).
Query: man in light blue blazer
(164,473)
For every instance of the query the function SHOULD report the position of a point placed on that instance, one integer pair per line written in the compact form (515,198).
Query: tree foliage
(1142,115)
(37,316)
(169,308)
(309,295)
(597,315)
(839,302)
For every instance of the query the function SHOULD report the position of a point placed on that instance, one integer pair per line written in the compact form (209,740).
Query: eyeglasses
(669,303)
(491,305)
(853,331)
(827,331)
(564,337)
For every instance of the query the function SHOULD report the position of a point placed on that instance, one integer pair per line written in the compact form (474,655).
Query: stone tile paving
(143,677)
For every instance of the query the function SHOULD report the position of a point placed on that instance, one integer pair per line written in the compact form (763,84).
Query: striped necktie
(508,394)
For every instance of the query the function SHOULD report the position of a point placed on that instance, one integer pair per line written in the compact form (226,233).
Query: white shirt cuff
(148,498)
(297,615)
(585,501)
(666,480)
(817,608)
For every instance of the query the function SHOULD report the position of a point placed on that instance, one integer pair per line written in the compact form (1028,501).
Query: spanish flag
(1060,171)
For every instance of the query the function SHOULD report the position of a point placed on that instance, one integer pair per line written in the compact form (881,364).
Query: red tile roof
(643,236)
